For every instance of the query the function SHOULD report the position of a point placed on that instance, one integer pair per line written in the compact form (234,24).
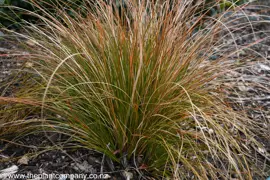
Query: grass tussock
(137,85)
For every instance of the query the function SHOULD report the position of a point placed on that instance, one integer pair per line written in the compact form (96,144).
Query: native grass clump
(137,84)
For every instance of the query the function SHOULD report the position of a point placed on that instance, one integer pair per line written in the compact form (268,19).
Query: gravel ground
(252,88)
(32,158)
(7,61)
(40,156)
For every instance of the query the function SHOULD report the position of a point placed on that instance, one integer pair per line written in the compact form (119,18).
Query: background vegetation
(11,11)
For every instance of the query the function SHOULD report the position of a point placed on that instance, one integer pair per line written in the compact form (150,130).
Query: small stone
(85,167)
(128,175)
(24,160)
(261,150)
(106,176)
(242,88)
(264,67)
(29,64)
(210,131)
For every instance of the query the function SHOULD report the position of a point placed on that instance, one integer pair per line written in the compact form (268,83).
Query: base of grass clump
(137,85)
